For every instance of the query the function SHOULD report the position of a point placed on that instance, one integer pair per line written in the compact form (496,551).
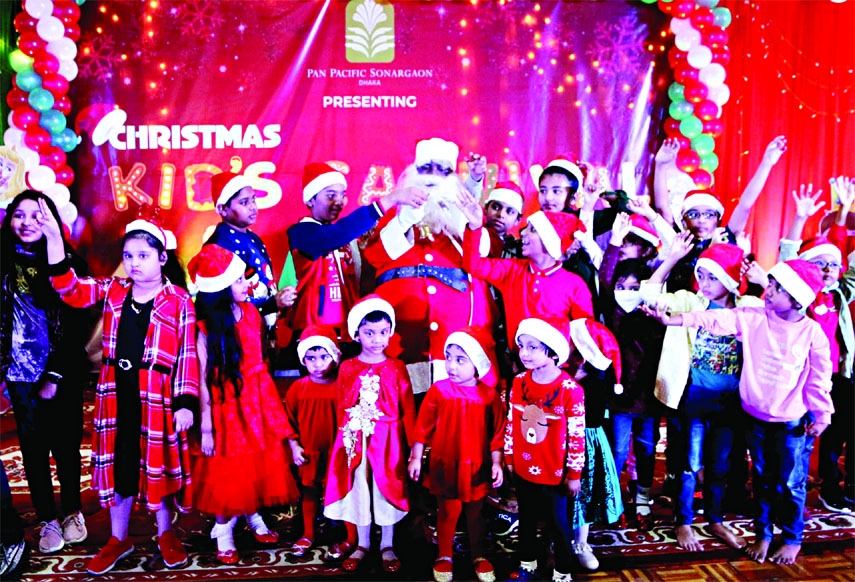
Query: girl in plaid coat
(148,387)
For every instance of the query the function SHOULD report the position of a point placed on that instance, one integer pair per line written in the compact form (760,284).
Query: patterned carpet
(625,554)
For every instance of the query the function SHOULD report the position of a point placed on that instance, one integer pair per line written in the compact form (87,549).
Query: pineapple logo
(370,36)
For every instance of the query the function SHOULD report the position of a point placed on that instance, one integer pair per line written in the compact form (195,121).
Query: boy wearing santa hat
(502,212)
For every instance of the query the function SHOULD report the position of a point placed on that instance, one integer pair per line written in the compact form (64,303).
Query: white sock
(257,523)
(387,537)
(363,536)
(529,566)
(559,577)
(222,532)
(642,501)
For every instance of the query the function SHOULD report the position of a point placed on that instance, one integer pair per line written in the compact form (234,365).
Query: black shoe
(13,560)
(504,524)
(835,504)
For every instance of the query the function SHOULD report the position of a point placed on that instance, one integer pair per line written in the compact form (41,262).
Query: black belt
(126,365)
(455,278)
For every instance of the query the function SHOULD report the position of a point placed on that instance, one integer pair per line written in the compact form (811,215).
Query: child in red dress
(243,464)
(376,417)
(310,406)
(462,419)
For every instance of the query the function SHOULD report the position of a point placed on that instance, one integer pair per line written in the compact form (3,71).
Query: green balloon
(675,91)
(680,109)
(53,121)
(20,62)
(703,144)
(40,99)
(649,1)
(66,140)
(691,126)
(707,3)
(28,80)
(709,162)
(721,17)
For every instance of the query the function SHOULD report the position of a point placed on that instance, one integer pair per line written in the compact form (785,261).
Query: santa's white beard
(442,213)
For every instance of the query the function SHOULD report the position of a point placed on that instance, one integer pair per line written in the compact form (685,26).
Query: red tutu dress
(311,411)
(249,468)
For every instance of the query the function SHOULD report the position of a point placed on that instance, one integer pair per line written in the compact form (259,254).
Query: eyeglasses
(695,214)
(826,265)
(434,168)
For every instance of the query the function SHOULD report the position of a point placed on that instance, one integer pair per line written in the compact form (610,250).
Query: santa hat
(318,336)
(817,246)
(437,149)
(597,346)
(366,305)
(215,268)
(724,261)
(557,230)
(567,166)
(641,227)
(550,331)
(697,198)
(508,194)
(317,176)
(475,342)
(801,279)
(225,185)
(166,237)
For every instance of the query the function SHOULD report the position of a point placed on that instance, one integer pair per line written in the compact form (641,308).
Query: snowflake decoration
(558,410)
(98,58)
(535,470)
(526,456)
(619,48)
(559,472)
(202,19)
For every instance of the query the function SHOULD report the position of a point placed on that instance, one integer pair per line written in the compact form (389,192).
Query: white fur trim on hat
(317,341)
(325,180)
(363,308)
(718,272)
(231,188)
(645,235)
(153,230)
(547,335)
(507,197)
(568,166)
(696,200)
(586,345)
(823,249)
(548,234)
(235,269)
(793,284)
(473,349)
(437,149)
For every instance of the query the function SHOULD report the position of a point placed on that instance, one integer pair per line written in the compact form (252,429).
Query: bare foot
(786,554)
(686,539)
(726,535)
(757,550)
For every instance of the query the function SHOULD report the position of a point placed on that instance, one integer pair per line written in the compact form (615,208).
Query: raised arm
(773,153)
(682,245)
(665,163)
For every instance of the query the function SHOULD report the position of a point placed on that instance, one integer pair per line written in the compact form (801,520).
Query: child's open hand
(845,192)
(775,150)
(47,222)
(806,205)
(641,205)
(668,152)
(471,209)
(682,245)
(620,228)
(754,273)
(477,166)
(743,241)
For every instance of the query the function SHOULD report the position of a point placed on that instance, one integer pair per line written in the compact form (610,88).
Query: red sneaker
(109,556)
(172,549)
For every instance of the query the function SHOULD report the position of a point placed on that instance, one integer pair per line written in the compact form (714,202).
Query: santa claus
(418,256)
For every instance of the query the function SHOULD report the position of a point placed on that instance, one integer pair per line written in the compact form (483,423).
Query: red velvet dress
(311,411)
(462,424)
(249,468)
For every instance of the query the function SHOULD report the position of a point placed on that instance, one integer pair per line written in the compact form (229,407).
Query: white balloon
(50,28)
(687,39)
(41,178)
(28,156)
(59,193)
(68,214)
(699,57)
(713,75)
(11,121)
(68,69)
(63,48)
(13,137)
(678,25)
(38,8)
(720,95)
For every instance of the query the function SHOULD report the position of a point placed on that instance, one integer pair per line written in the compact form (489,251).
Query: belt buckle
(421,271)
(125,364)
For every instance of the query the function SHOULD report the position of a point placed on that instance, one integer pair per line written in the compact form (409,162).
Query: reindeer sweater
(545,433)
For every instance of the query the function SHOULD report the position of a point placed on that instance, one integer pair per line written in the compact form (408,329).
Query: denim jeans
(777,451)
(645,434)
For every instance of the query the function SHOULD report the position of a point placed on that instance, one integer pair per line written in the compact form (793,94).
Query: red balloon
(676,57)
(64,175)
(685,143)
(702,18)
(713,127)
(25,23)
(25,116)
(685,75)
(721,55)
(695,92)
(666,7)
(683,8)
(72,31)
(45,63)
(672,127)
(688,160)
(715,38)
(706,110)
(31,43)
(16,98)
(53,158)
(56,84)
(63,9)
(702,178)
(63,105)
(37,139)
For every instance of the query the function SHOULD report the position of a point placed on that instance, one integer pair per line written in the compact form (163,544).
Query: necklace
(134,307)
